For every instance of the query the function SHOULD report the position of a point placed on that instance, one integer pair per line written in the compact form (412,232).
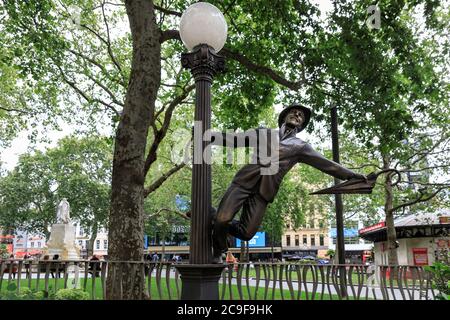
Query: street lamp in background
(203,30)
(340,241)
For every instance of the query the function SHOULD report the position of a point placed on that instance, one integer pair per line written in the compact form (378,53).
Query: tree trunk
(243,257)
(163,254)
(272,249)
(90,247)
(126,221)
(247,251)
(388,206)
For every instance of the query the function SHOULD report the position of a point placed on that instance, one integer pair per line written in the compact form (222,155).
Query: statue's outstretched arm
(234,139)
(310,156)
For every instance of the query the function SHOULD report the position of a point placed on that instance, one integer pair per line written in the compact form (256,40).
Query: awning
(20,254)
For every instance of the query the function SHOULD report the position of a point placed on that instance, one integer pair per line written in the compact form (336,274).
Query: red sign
(372,228)
(441,243)
(445,219)
(420,256)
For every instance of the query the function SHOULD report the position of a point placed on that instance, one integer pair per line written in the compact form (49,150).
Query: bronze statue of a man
(253,191)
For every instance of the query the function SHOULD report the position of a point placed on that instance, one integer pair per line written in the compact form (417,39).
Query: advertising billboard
(258,240)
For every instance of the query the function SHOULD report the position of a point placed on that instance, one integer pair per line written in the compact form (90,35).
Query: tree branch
(424,152)
(155,185)
(295,86)
(365,166)
(169,35)
(168,11)
(113,58)
(109,92)
(417,200)
(157,213)
(175,35)
(427,168)
(13,110)
(444,185)
(97,64)
(108,46)
(161,133)
(84,95)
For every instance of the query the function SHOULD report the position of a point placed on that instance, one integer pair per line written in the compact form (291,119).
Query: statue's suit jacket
(283,152)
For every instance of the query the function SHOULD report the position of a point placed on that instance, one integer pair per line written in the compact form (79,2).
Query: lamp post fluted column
(204,64)
(200,278)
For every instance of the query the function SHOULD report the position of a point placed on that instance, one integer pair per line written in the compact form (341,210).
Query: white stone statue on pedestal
(62,235)
(63,212)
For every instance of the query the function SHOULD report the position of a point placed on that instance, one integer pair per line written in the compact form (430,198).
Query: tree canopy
(76,169)
(82,59)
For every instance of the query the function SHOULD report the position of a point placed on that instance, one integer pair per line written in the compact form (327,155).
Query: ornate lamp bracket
(203,62)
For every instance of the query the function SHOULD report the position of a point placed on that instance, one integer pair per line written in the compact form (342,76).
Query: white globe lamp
(203,23)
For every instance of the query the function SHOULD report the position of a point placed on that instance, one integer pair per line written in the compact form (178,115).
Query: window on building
(334,240)
(97,244)
(305,239)
(81,231)
(351,240)
(321,224)
(105,244)
(352,225)
(347,225)
(80,243)
(313,240)
(288,241)
(297,240)
(39,244)
(321,240)
(32,244)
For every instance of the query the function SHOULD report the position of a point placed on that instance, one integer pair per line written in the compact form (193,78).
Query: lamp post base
(200,281)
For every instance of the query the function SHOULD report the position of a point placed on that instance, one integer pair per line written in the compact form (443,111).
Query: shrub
(71,294)
(441,279)
(24,293)
(4,253)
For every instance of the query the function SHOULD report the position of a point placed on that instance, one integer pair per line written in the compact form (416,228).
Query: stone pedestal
(200,281)
(62,242)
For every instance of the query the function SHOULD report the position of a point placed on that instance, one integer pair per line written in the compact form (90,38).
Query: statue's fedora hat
(284,112)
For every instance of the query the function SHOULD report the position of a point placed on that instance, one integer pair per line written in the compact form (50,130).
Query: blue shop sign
(182,203)
(258,240)
(146,241)
(348,233)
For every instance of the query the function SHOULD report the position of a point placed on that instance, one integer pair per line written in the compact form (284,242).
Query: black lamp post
(340,241)
(203,31)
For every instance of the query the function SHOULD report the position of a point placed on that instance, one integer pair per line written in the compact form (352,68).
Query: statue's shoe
(217,260)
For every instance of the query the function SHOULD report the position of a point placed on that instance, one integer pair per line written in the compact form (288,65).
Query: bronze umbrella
(360,186)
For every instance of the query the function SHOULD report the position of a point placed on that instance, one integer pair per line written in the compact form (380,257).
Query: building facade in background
(309,240)
(83,236)
(357,249)
(422,238)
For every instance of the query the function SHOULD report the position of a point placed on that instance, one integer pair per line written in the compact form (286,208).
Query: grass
(310,278)
(163,293)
